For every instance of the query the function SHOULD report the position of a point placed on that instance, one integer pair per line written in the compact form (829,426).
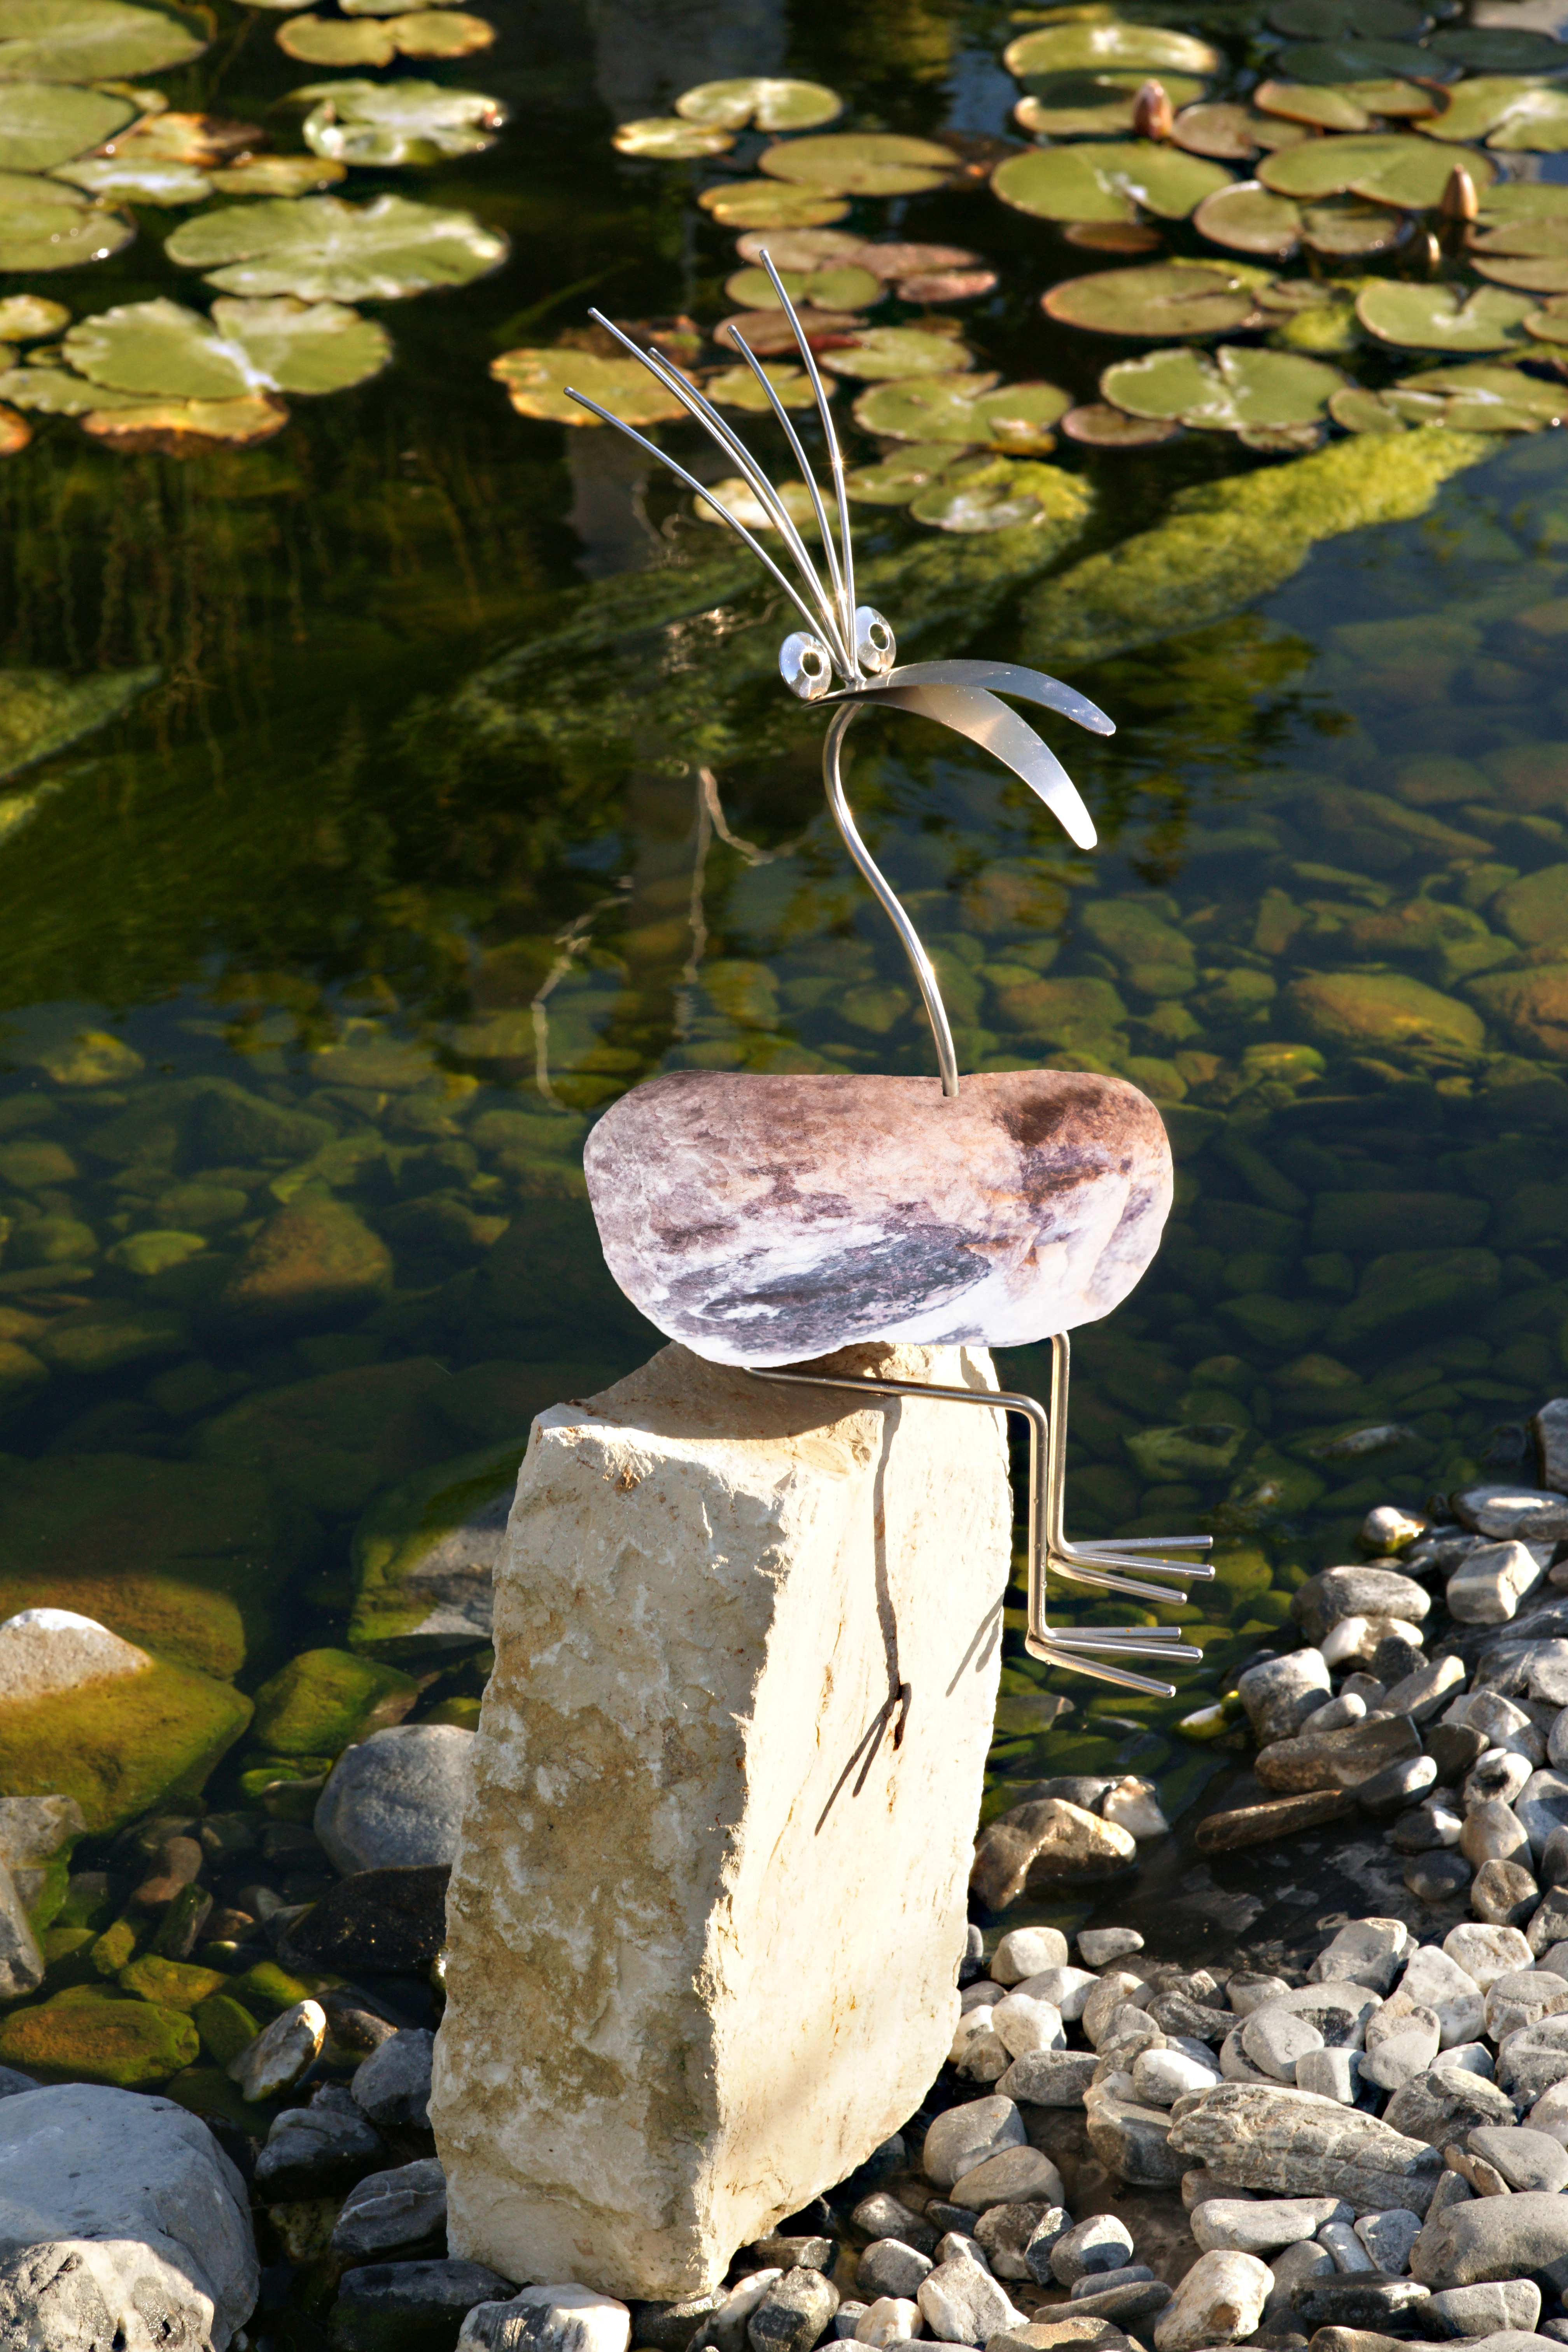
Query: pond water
(442,790)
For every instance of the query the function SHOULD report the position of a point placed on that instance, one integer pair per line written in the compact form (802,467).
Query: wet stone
(377,1920)
(403,2212)
(1436,1878)
(404,2302)
(1366,2301)
(1504,1894)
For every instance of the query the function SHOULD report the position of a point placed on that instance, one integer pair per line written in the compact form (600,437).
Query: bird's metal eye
(805,666)
(875,645)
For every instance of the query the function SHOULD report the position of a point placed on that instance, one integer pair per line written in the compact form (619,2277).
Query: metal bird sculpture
(680,1171)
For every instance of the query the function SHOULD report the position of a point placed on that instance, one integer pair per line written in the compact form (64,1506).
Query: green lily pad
(1100,426)
(55,391)
(1094,105)
(1247,217)
(1549,324)
(336,41)
(981,494)
(44,225)
(1346,20)
(326,250)
(25,317)
(1236,390)
(1541,274)
(1483,398)
(1014,418)
(441,32)
(1513,116)
(1088,47)
(1231,133)
(159,349)
(1348,226)
(1168,298)
(276,175)
(1487,49)
(770,104)
(1522,200)
(94,40)
(737,387)
(1535,237)
(137,180)
(177,428)
(860,163)
(1341,106)
(886,354)
(850,289)
(1359,411)
(1353,61)
(669,140)
(536,384)
(386,123)
(770,203)
(1107,182)
(44,123)
(902,474)
(804,249)
(1437,318)
(1387,167)
(743,502)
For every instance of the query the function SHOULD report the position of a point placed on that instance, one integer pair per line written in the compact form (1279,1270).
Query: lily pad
(947,285)
(1168,298)
(1387,167)
(745,505)
(1549,324)
(1112,236)
(770,203)
(902,474)
(1539,274)
(1353,61)
(1088,47)
(181,428)
(1359,411)
(1014,418)
(387,123)
(769,334)
(1094,105)
(25,317)
(161,350)
(1100,426)
(536,384)
(669,140)
(1249,218)
(1346,20)
(768,103)
(1236,390)
(1341,106)
(1108,181)
(276,175)
(737,387)
(849,289)
(1480,398)
(44,225)
(979,494)
(1513,116)
(1231,133)
(49,389)
(1437,318)
(337,41)
(1497,49)
(94,40)
(441,32)
(1520,200)
(174,137)
(44,123)
(804,249)
(885,353)
(326,250)
(860,163)
(137,180)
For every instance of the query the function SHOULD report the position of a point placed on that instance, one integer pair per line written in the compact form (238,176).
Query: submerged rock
(323,1699)
(396,1800)
(425,1555)
(313,1260)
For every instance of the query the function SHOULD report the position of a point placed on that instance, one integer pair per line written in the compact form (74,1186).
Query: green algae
(118,1747)
(226,2027)
(169,1984)
(131,2045)
(413,1546)
(323,1699)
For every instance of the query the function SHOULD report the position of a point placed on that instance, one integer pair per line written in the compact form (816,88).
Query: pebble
(1488,1587)
(1017,2238)
(318,2150)
(569,2318)
(1257,2226)
(392,2085)
(1107,2282)
(1500,2303)
(1488,2237)
(1100,2243)
(387,2214)
(1522,1998)
(1015,2175)
(1350,2300)
(888,2320)
(1115,1987)
(1436,1878)
(1493,1832)
(1487,1953)
(1021,2023)
(1097,1946)
(397,1799)
(965,2135)
(1364,1952)
(1444,2101)
(1065,1988)
(1048,2078)
(1330,2074)
(889,2268)
(791,2314)
(1219,2301)
(1401,2043)
(280,2053)
(883,2215)
(1503,1894)
(1130,2299)
(1025,1951)
(1499,1775)
(1159,2078)
(1346,2248)
(1526,2159)
(48,1653)
(1388,2238)
(962,2303)
(1279,1693)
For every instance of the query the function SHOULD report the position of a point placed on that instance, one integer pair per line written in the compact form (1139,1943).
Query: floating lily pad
(1247,217)
(981,494)
(1359,411)
(536,384)
(860,163)
(1475,399)
(326,250)
(886,354)
(669,140)
(973,410)
(737,387)
(1341,106)
(1488,49)
(1088,47)
(1112,236)
(743,502)
(1534,238)
(1513,116)
(384,123)
(180,428)
(902,474)
(25,317)
(1100,426)
(1539,274)
(892,258)
(1232,133)
(1386,167)
(770,335)
(1520,200)
(1346,20)
(94,40)
(1108,181)
(846,289)
(1549,324)
(336,41)
(44,123)
(1094,105)
(1236,390)
(1437,318)
(947,285)
(137,180)
(1169,297)
(1353,61)
(276,175)
(51,390)
(44,225)
(442,32)
(770,203)
(804,249)
(159,349)
(771,104)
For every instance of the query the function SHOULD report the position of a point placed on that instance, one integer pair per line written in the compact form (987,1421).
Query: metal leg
(1081,1563)
(1058,1646)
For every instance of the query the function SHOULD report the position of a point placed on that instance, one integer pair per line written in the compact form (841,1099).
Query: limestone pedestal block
(708,1908)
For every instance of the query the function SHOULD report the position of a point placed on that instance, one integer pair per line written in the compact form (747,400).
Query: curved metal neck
(920,962)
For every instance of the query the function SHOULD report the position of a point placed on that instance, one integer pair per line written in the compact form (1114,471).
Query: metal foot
(1093,1651)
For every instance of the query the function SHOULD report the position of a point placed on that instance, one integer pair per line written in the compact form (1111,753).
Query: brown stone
(1050,1841)
(1531,1006)
(1257,1824)
(1345,1758)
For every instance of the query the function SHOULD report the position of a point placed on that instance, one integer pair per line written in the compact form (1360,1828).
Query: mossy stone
(1452,941)
(1367,1223)
(114,1946)
(53,1241)
(1201,1449)
(1534,911)
(1156,957)
(1412,1289)
(323,1699)
(207,2091)
(101,1338)
(1284,1325)
(28,1165)
(1058,1011)
(131,2045)
(20,1373)
(423,1552)
(119,1746)
(267,1987)
(172,1984)
(225,2025)
(1369,1009)
(315,1260)
(1270,1489)
(1531,1006)
(328,1443)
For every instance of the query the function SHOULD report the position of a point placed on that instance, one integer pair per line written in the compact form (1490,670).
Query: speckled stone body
(762,1220)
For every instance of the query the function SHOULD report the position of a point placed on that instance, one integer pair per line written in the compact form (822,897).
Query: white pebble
(888,2320)
(1346,2248)
(1099,1945)
(1021,2022)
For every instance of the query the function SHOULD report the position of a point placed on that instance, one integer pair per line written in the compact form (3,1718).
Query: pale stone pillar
(708,1902)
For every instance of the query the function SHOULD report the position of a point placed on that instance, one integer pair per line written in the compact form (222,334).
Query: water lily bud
(1459,200)
(1152,115)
